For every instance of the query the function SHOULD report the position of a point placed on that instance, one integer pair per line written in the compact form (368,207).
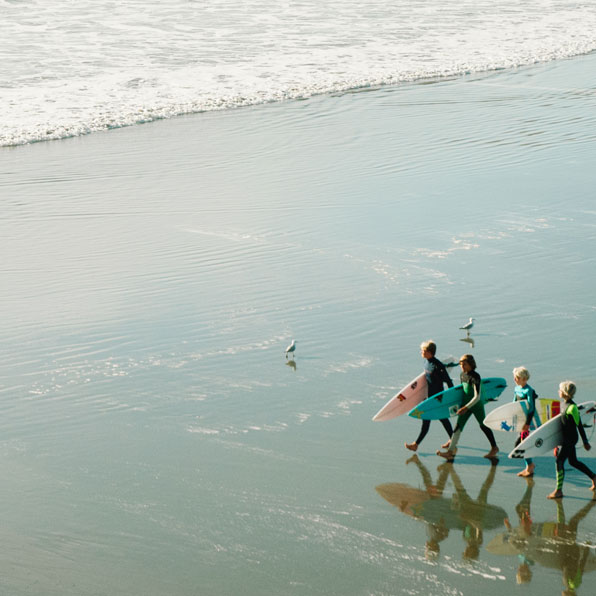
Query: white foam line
(578,90)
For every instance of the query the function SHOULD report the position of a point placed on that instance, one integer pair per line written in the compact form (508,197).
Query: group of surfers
(437,376)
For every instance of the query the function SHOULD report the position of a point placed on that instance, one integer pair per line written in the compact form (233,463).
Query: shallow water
(155,438)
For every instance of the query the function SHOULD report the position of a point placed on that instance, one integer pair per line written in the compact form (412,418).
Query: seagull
(468,325)
(291,348)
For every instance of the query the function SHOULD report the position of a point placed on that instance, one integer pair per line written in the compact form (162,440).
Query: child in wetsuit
(523,392)
(471,381)
(571,422)
(436,374)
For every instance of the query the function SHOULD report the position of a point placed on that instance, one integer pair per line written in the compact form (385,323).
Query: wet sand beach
(155,438)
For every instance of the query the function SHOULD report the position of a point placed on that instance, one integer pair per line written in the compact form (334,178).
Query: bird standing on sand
(291,348)
(468,325)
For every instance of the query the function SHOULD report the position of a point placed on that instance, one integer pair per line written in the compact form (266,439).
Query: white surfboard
(511,417)
(550,434)
(401,403)
(412,394)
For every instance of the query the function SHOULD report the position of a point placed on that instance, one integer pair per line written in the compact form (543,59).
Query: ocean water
(70,68)
(155,440)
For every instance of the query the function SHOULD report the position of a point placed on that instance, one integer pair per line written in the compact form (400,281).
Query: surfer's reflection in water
(459,512)
(549,544)
(477,514)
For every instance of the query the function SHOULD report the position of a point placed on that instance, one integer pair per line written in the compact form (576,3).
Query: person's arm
(531,409)
(582,433)
(574,411)
(445,376)
(474,399)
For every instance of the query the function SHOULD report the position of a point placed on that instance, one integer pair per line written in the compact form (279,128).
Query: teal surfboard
(445,404)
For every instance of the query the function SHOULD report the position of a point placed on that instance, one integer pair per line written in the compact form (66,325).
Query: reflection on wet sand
(442,514)
(550,544)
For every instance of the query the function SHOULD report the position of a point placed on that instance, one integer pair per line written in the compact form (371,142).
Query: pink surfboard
(415,392)
(412,394)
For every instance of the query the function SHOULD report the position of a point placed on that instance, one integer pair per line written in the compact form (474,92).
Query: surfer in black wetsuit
(436,375)
(571,423)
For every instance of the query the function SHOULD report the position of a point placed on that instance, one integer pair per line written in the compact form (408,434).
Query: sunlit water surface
(155,439)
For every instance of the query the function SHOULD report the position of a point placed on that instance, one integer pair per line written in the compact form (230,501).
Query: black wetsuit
(571,422)
(436,374)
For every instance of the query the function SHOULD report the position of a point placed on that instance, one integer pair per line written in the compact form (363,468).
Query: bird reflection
(549,544)
(443,514)
(468,340)
(291,364)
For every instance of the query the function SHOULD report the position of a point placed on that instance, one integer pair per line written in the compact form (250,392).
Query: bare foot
(411,446)
(529,471)
(556,494)
(492,453)
(448,455)
(446,445)
(593,487)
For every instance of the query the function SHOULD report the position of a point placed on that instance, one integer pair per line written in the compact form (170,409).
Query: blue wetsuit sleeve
(515,394)
(531,406)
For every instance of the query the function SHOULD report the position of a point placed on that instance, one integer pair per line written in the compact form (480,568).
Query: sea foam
(69,69)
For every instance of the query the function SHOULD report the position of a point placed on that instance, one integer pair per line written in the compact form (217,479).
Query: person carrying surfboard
(523,392)
(571,424)
(471,382)
(436,375)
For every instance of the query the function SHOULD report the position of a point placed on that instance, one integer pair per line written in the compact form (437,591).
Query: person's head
(467,363)
(567,390)
(428,348)
(521,375)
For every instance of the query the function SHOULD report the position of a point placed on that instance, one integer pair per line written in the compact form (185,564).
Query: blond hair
(429,345)
(521,372)
(567,389)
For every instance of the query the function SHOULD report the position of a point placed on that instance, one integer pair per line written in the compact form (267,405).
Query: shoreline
(326,93)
